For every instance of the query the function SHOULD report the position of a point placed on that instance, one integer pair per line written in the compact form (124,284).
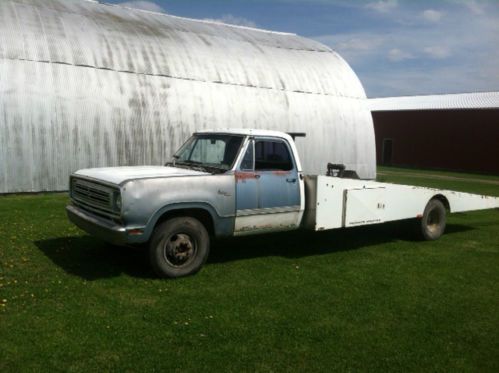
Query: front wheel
(179,247)
(433,222)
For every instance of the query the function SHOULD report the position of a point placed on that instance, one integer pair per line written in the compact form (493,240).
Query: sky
(396,47)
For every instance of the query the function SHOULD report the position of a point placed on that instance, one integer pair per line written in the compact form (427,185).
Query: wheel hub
(179,249)
(433,220)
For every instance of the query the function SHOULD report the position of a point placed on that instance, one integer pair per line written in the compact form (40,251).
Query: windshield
(210,150)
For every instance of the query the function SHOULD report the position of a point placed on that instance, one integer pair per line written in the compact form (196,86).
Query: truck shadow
(92,259)
(298,244)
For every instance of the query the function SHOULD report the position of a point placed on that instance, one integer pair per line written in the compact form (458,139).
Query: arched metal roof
(86,84)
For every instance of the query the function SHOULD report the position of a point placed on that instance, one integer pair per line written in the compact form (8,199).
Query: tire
(433,222)
(179,247)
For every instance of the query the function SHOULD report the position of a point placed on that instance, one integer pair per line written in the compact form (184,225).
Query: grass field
(361,299)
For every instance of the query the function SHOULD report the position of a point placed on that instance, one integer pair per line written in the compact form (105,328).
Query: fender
(223,226)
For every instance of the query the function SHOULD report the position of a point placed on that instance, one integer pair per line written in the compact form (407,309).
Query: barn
(458,132)
(85,84)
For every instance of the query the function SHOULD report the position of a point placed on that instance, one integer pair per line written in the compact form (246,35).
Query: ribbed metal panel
(480,100)
(85,84)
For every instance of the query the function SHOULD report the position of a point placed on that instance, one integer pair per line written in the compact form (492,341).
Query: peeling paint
(243,176)
(281,173)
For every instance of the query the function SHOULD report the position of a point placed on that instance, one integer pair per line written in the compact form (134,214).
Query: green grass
(430,173)
(481,184)
(367,298)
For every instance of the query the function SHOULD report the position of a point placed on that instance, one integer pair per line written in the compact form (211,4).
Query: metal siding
(478,100)
(460,140)
(87,85)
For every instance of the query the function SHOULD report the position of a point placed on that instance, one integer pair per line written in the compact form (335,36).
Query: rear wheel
(179,247)
(432,224)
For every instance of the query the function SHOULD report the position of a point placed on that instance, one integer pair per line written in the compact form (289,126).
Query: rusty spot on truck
(243,176)
(281,173)
(267,228)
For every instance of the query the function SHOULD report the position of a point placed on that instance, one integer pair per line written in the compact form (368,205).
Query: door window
(272,155)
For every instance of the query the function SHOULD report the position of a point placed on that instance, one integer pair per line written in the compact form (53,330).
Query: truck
(224,183)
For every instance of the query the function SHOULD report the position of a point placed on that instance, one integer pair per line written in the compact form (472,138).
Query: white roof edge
(476,100)
(207,21)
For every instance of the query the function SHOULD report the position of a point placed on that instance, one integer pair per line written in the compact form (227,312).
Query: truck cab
(225,182)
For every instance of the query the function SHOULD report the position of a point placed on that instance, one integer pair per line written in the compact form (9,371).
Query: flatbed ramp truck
(225,183)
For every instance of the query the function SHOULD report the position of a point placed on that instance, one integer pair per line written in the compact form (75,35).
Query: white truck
(239,182)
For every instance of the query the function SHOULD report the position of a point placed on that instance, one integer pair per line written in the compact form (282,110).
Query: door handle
(257,176)
(291,180)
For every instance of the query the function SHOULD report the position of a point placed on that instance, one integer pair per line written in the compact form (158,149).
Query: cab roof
(248,132)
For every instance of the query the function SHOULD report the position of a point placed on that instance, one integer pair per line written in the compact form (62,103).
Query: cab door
(267,188)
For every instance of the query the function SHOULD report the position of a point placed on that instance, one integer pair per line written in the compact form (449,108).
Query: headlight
(117,201)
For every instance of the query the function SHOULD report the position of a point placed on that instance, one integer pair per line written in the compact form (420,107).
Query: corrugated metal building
(84,84)
(457,132)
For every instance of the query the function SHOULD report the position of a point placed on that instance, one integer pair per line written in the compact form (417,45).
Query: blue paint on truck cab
(267,187)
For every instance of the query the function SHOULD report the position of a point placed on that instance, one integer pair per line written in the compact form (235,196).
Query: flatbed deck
(333,202)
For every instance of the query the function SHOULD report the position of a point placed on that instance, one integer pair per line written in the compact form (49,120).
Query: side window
(272,155)
(247,163)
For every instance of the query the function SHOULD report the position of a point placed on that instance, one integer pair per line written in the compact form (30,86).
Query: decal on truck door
(267,188)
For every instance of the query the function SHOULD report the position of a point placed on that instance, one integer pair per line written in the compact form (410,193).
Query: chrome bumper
(95,226)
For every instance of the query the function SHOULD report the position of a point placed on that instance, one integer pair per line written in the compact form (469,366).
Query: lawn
(368,298)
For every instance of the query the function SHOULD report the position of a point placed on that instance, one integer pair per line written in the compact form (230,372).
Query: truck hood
(118,175)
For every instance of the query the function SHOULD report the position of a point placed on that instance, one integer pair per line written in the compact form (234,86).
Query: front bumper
(98,227)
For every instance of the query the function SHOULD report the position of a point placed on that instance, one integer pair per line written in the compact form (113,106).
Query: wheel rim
(434,221)
(179,249)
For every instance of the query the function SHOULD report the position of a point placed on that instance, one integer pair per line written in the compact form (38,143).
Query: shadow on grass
(298,244)
(92,259)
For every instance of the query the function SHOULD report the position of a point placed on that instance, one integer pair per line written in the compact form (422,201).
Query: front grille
(95,197)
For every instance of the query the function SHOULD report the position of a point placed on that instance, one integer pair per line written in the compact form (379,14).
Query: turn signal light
(135,232)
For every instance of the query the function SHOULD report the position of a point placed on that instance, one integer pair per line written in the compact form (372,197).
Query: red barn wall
(459,140)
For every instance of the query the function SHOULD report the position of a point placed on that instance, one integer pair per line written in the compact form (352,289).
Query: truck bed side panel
(334,202)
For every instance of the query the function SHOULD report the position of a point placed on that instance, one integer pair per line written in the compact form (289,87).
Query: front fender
(145,201)
(223,226)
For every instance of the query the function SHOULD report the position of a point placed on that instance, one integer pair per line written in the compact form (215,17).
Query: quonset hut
(84,84)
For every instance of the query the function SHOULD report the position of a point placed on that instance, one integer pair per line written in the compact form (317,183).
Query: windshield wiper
(192,164)
(215,169)
(200,166)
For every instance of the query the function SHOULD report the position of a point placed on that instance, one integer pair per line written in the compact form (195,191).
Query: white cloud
(475,7)
(456,54)
(397,55)
(383,6)
(432,15)
(438,52)
(359,44)
(233,20)
(143,5)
